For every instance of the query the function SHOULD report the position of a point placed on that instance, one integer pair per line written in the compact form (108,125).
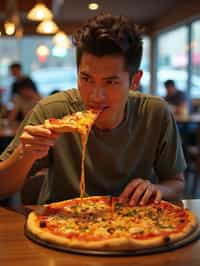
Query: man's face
(104,84)
(15,72)
(170,89)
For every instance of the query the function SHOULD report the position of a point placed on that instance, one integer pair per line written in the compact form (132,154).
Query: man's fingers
(147,195)
(128,191)
(38,135)
(39,130)
(151,192)
(40,147)
(138,193)
(29,139)
(158,196)
(36,151)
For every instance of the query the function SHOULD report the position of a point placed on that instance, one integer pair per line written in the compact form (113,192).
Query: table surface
(16,249)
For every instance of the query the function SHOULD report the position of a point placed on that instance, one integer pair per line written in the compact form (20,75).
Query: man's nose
(98,93)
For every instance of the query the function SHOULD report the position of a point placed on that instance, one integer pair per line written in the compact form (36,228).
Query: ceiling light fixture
(39,12)
(9,27)
(62,40)
(47,27)
(93,6)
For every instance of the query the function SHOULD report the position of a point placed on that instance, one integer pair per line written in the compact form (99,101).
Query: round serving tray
(190,238)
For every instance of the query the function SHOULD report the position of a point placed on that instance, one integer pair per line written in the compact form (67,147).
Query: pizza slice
(80,122)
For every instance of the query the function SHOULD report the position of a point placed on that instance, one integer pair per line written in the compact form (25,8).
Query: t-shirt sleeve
(169,159)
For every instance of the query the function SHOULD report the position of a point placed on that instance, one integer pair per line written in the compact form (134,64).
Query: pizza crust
(60,128)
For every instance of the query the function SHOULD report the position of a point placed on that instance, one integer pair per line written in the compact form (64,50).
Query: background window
(53,70)
(10,52)
(195,61)
(172,59)
(145,66)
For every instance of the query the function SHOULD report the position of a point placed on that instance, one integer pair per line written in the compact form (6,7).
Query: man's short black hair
(16,65)
(110,35)
(169,82)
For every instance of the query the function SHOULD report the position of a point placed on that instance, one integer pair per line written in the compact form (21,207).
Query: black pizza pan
(187,240)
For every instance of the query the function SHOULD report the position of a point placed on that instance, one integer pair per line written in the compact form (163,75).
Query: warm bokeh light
(42,52)
(47,27)
(9,28)
(62,40)
(93,6)
(39,12)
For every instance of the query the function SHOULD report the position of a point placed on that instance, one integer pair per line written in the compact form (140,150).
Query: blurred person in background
(27,97)
(3,108)
(176,99)
(54,91)
(18,75)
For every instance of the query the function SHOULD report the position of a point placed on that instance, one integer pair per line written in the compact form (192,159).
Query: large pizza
(102,223)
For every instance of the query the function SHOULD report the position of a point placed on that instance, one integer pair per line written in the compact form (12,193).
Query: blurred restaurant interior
(46,53)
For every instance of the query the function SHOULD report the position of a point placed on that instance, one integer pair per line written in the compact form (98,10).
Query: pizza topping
(92,221)
(166,239)
(130,213)
(135,230)
(43,224)
(111,230)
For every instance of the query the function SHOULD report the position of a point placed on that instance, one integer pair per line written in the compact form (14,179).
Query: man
(28,97)
(176,98)
(17,73)
(133,135)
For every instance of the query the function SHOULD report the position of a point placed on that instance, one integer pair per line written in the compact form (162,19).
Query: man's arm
(13,171)
(140,191)
(35,144)
(173,188)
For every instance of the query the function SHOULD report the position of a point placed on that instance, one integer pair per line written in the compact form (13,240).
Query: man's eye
(112,82)
(85,78)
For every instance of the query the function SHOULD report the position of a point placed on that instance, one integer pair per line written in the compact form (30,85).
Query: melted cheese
(85,124)
(93,219)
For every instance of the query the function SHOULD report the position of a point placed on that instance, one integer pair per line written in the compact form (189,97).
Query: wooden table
(16,249)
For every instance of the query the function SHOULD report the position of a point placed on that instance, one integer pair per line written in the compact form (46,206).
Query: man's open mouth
(99,108)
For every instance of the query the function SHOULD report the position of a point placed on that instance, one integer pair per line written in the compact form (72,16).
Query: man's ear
(135,82)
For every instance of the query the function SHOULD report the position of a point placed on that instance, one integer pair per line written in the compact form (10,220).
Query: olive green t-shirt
(146,140)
